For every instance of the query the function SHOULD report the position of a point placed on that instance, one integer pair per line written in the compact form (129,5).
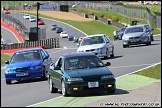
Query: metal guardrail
(47,44)
(16,24)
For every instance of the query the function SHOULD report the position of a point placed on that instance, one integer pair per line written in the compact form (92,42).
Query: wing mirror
(45,57)
(107,64)
(7,62)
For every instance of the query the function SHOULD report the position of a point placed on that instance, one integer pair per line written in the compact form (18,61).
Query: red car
(40,22)
(6,11)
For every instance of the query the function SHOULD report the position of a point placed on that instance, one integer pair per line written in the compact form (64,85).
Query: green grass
(153,72)
(4,57)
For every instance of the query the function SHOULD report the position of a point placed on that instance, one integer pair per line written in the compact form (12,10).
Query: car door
(108,44)
(45,61)
(57,74)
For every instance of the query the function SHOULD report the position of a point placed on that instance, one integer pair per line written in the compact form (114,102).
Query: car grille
(21,69)
(89,50)
(91,78)
(134,37)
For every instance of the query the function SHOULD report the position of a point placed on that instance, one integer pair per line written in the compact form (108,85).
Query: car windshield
(83,62)
(92,40)
(122,29)
(134,30)
(54,25)
(25,56)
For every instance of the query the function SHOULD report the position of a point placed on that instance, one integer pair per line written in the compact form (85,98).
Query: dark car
(59,30)
(80,71)
(54,26)
(27,64)
(150,30)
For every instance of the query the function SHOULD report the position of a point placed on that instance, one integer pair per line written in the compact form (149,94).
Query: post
(37,16)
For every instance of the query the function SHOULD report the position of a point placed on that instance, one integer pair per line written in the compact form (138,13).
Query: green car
(80,71)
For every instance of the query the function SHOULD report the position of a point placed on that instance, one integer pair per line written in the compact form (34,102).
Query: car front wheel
(64,90)
(8,82)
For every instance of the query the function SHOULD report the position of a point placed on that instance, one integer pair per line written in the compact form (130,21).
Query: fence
(47,43)
(16,24)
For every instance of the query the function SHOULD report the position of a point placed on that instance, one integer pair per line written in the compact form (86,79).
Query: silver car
(99,44)
(137,34)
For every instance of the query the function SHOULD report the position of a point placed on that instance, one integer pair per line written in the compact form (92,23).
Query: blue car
(150,30)
(27,64)
(59,30)
(121,32)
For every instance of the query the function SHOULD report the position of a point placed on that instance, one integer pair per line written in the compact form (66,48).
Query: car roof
(76,54)
(31,49)
(135,26)
(97,35)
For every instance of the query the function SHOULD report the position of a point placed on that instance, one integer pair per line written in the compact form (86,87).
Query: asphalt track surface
(126,60)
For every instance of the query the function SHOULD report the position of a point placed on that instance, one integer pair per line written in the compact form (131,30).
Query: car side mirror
(57,68)
(107,64)
(45,57)
(7,62)
(152,29)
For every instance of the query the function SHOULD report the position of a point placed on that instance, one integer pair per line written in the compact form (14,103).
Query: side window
(46,54)
(107,39)
(42,53)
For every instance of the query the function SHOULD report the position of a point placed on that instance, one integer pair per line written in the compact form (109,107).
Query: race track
(126,60)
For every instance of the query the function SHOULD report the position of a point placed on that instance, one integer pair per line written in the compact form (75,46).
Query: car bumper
(135,41)
(31,75)
(83,86)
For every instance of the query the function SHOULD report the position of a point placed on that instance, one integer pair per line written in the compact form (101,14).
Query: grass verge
(4,57)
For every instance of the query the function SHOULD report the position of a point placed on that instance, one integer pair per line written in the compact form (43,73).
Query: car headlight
(107,76)
(75,79)
(35,67)
(10,70)
(143,35)
(99,49)
(125,37)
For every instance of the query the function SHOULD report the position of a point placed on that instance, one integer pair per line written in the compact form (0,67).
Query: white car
(78,5)
(26,16)
(64,34)
(32,19)
(99,44)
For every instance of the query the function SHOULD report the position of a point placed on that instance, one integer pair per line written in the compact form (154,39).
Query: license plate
(133,41)
(93,84)
(22,74)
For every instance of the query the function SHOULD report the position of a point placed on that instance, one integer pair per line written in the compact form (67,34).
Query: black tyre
(124,46)
(44,77)
(51,88)
(8,82)
(107,55)
(111,91)
(112,55)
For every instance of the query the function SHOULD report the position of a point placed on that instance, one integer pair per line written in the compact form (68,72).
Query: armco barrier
(47,44)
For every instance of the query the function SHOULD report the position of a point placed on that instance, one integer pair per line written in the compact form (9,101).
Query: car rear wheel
(51,88)
(8,82)
(64,90)
(112,55)
(44,77)
(107,55)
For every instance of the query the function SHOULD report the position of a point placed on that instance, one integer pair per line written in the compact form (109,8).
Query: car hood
(134,34)
(24,64)
(93,46)
(88,72)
